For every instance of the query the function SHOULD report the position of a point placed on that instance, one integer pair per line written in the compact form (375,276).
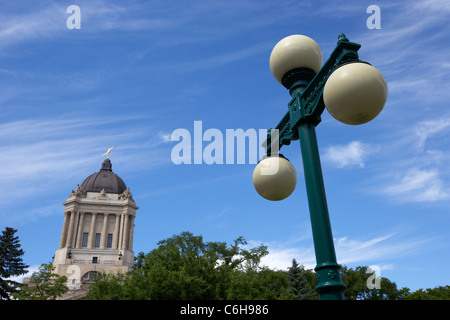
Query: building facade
(97,232)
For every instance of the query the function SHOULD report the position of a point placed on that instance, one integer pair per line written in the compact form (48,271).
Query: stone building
(97,232)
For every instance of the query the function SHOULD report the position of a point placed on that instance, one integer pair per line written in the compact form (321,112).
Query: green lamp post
(354,93)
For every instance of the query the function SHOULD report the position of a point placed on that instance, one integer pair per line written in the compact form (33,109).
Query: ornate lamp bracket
(307,102)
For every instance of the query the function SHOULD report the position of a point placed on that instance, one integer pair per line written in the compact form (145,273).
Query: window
(91,275)
(97,240)
(85,240)
(109,240)
(94,259)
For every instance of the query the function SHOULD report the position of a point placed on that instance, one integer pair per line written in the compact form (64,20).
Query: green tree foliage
(264,284)
(111,287)
(186,267)
(301,282)
(438,293)
(357,288)
(11,263)
(43,285)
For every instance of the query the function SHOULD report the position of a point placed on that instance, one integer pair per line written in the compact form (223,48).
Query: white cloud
(351,154)
(373,251)
(437,6)
(417,185)
(36,24)
(49,21)
(38,154)
(218,60)
(165,137)
(376,251)
(429,128)
(31,270)
(280,257)
(414,164)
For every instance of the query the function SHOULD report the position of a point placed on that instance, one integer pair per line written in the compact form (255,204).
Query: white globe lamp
(292,52)
(274,178)
(355,93)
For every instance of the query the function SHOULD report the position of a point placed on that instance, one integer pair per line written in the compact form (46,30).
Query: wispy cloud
(41,23)
(37,154)
(381,251)
(429,128)
(48,21)
(438,6)
(376,250)
(351,154)
(417,185)
(413,167)
(218,60)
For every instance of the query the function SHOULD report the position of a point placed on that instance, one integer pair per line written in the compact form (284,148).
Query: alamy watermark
(213,146)
(74,20)
(374,281)
(374,21)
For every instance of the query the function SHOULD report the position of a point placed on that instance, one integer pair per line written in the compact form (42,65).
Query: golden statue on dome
(107,152)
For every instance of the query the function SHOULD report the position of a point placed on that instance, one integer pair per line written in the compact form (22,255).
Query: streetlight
(354,93)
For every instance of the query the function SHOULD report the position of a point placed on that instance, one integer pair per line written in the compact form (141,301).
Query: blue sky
(138,70)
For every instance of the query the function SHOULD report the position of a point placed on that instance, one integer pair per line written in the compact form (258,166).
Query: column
(116,233)
(64,230)
(130,243)
(80,231)
(122,218)
(75,229)
(72,223)
(126,232)
(92,231)
(104,235)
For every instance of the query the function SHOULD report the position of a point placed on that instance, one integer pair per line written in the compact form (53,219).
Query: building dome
(104,179)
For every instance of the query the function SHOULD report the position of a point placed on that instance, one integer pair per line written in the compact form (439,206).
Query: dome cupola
(105,179)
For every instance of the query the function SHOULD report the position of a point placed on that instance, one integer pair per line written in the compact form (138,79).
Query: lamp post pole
(365,92)
(330,286)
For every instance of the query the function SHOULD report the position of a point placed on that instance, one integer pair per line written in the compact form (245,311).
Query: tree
(357,288)
(11,263)
(43,285)
(186,267)
(298,282)
(109,287)
(264,284)
(438,293)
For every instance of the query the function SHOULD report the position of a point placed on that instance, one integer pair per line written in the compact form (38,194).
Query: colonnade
(77,234)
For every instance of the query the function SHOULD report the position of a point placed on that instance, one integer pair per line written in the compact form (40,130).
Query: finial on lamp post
(342,37)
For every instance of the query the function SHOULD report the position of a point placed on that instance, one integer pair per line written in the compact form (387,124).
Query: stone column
(64,230)
(80,231)
(92,231)
(126,231)
(104,235)
(75,229)
(122,220)
(73,217)
(130,243)
(115,244)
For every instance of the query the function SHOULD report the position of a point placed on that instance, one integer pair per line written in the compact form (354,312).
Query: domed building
(97,232)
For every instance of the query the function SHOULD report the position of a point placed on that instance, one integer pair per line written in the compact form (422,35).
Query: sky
(136,71)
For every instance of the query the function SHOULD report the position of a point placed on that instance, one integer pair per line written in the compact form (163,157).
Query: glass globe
(355,93)
(274,178)
(296,51)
